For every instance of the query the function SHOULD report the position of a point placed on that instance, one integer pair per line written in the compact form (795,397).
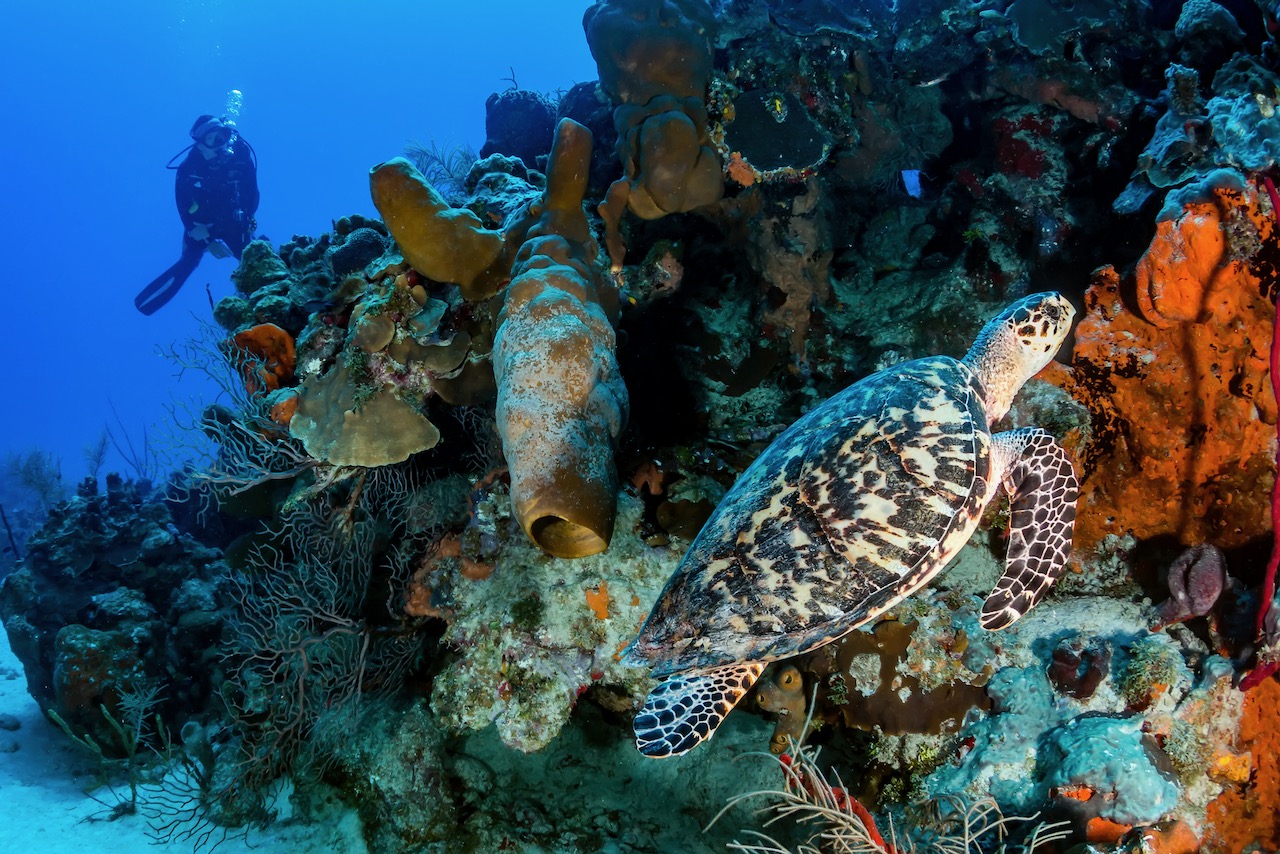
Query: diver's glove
(219,249)
(199,232)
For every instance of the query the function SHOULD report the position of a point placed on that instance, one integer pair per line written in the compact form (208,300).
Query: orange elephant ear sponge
(443,243)
(265,357)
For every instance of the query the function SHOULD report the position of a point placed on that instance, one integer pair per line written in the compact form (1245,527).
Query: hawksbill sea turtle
(858,504)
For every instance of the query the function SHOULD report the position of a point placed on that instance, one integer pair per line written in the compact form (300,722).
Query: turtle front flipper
(685,710)
(1042,482)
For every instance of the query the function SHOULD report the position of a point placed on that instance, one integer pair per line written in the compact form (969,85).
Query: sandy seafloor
(44,808)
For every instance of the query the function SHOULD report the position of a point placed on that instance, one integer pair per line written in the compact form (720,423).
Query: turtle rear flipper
(685,710)
(1042,481)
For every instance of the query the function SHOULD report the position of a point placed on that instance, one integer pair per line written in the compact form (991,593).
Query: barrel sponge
(561,405)
(443,243)
(377,432)
(561,399)
(646,48)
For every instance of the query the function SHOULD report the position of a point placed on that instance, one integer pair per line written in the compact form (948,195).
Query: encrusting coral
(561,399)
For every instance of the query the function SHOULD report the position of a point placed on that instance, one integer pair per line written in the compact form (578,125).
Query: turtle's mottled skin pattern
(828,529)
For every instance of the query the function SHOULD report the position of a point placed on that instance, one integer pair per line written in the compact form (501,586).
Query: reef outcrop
(116,610)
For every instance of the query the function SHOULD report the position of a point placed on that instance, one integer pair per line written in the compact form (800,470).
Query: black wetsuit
(220,193)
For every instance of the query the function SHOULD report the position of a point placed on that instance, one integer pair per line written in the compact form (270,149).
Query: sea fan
(445,169)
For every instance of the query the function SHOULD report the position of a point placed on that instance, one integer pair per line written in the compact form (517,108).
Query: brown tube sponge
(441,242)
(647,48)
(561,399)
(655,60)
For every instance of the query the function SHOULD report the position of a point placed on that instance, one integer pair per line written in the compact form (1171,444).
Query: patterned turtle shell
(850,509)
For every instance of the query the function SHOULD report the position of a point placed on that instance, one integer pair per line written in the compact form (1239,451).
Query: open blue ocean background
(99,96)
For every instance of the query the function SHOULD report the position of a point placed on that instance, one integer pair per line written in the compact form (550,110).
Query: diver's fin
(685,710)
(166,286)
(1042,483)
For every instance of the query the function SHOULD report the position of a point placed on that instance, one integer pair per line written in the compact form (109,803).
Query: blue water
(97,97)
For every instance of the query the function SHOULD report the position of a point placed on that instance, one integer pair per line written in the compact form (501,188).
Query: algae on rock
(530,637)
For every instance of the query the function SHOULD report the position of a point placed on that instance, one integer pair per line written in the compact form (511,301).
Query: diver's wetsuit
(220,193)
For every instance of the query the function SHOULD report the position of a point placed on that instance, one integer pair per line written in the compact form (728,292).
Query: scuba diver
(217,195)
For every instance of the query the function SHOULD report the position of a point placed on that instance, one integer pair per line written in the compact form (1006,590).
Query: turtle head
(1015,345)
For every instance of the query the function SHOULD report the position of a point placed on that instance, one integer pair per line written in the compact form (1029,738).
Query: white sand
(43,807)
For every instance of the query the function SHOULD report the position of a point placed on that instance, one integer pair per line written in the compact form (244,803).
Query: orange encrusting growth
(1104,831)
(1249,814)
(598,600)
(1180,405)
(266,357)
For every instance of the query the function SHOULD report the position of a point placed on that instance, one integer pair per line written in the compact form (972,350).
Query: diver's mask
(218,138)
(214,138)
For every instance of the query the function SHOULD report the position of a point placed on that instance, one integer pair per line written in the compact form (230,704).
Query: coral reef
(538,635)
(1245,816)
(364,585)
(1087,752)
(111,601)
